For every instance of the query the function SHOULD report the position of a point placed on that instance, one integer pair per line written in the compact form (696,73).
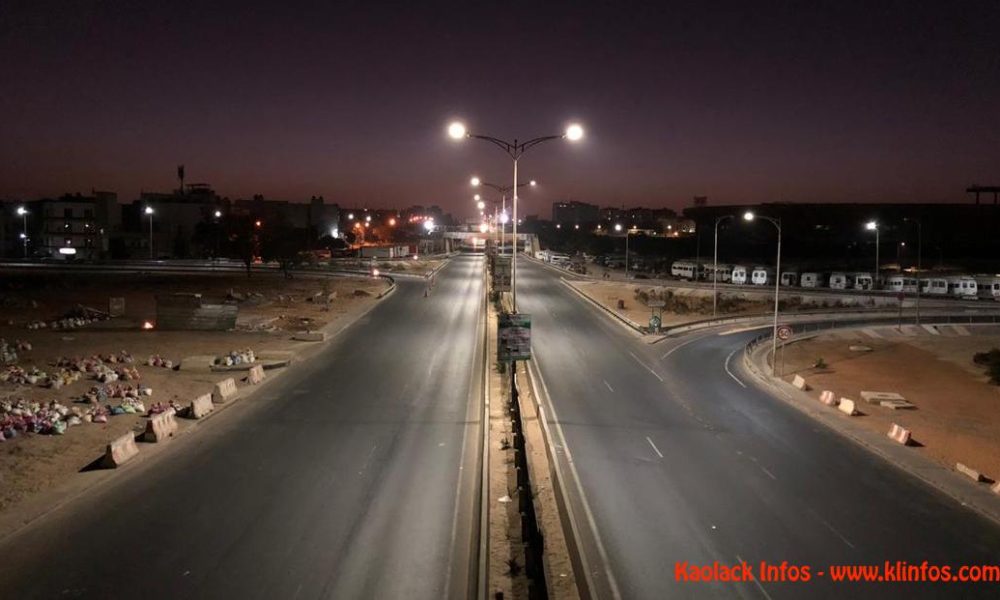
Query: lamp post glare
(873,226)
(457,130)
(481,205)
(24,228)
(750,216)
(475,181)
(477,198)
(149,211)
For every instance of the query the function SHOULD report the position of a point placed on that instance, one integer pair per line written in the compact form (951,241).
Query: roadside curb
(941,478)
(632,326)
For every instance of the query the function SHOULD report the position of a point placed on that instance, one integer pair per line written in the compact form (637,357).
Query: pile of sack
(20,376)
(102,393)
(8,352)
(20,416)
(236,357)
(158,361)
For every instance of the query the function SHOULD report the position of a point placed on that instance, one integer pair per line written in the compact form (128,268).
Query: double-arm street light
(503,190)
(515,150)
(750,216)
(873,226)
(628,232)
(24,228)
(715,263)
(149,211)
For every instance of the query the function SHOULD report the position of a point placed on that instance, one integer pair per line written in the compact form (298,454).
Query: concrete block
(256,374)
(201,406)
(847,407)
(160,427)
(876,397)
(995,488)
(120,451)
(224,390)
(310,336)
(899,434)
(969,472)
(898,404)
(827,398)
(800,383)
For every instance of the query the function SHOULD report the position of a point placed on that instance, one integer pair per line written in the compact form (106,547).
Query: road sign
(501,274)
(784,332)
(654,323)
(514,337)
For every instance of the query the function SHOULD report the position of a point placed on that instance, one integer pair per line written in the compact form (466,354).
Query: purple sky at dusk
(813,101)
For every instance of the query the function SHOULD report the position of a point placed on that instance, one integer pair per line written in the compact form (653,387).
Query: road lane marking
(769,474)
(645,366)
(610,389)
(655,449)
(756,582)
(833,529)
(730,373)
(679,346)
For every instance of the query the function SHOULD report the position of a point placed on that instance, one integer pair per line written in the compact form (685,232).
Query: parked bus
(901,283)
(723,273)
(838,281)
(812,280)
(687,270)
(762,276)
(962,287)
(934,286)
(988,288)
(789,278)
(740,276)
(861,281)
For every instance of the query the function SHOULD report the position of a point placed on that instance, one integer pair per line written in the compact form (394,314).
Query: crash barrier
(119,451)
(969,472)
(200,406)
(160,426)
(800,383)
(899,434)
(531,535)
(847,407)
(827,398)
(309,336)
(256,374)
(224,390)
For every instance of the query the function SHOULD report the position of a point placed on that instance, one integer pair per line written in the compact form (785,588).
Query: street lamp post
(150,211)
(873,226)
(750,216)
(920,244)
(515,150)
(24,228)
(503,191)
(715,263)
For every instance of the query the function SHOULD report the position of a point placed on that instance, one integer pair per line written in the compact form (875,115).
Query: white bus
(812,280)
(724,273)
(862,281)
(988,288)
(838,281)
(762,276)
(934,286)
(687,270)
(963,287)
(789,278)
(739,276)
(901,283)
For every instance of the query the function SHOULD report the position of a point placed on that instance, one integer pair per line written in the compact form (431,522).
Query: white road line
(756,582)
(610,389)
(655,449)
(769,474)
(730,373)
(835,532)
(679,346)
(645,366)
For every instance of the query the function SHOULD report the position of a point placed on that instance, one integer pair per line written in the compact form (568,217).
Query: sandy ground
(31,464)
(957,417)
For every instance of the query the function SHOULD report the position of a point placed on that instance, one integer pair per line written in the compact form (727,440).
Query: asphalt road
(675,460)
(353,476)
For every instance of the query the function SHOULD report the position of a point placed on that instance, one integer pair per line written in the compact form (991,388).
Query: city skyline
(841,104)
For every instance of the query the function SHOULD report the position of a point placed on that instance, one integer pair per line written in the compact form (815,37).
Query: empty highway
(353,476)
(679,458)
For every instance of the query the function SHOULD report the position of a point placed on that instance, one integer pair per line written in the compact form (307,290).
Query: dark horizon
(842,103)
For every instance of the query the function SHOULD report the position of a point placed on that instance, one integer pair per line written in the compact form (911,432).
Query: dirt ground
(957,417)
(269,308)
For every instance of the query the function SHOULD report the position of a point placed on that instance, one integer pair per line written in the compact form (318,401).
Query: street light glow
(350,216)
(429,224)
(475,181)
(483,228)
(21,211)
(456,130)
(748,216)
(392,222)
(574,132)
(149,210)
(618,226)
(532,183)
(218,214)
(871,225)
(504,218)
(481,205)
(477,197)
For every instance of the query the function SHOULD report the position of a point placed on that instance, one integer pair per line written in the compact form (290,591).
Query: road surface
(678,458)
(353,476)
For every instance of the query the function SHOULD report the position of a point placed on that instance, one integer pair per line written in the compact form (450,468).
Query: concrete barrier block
(201,406)
(995,488)
(120,451)
(969,472)
(847,407)
(160,427)
(877,397)
(256,374)
(224,390)
(310,336)
(827,398)
(899,434)
(800,383)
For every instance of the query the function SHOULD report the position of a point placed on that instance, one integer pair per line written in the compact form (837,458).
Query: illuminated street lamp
(502,190)
(750,216)
(481,205)
(628,232)
(149,211)
(873,226)
(515,149)
(24,228)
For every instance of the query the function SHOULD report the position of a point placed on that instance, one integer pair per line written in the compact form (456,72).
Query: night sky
(742,102)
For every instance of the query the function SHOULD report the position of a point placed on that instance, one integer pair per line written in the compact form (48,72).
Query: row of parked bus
(962,286)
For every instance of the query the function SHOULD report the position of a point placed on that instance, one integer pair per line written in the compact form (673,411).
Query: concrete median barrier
(899,434)
(160,427)
(256,374)
(969,472)
(827,398)
(309,336)
(201,406)
(800,382)
(224,390)
(847,407)
(119,451)
(877,397)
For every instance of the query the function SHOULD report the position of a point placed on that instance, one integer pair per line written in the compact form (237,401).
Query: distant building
(72,225)
(575,213)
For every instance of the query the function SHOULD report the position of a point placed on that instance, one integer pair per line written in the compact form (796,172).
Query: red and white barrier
(800,383)
(827,398)
(160,427)
(256,374)
(969,472)
(224,390)
(847,407)
(200,406)
(120,450)
(899,434)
